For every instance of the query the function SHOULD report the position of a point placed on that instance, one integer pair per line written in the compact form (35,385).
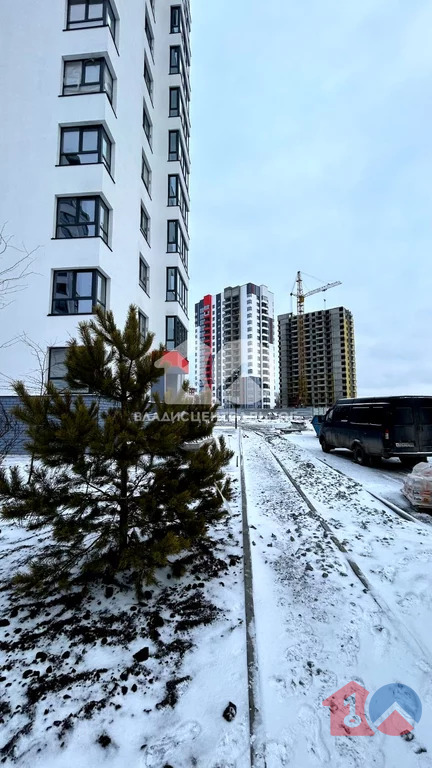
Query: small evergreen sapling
(116,489)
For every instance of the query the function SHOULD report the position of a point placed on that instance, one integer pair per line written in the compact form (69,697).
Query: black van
(380,427)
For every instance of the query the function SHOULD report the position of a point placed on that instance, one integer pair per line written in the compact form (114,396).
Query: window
(57,366)
(78,291)
(146,174)
(145,224)
(377,416)
(175,19)
(360,415)
(341,414)
(176,152)
(177,109)
(82,217)
(144,275)
(148,79)
(174,146)
(174,102)
(57,369)
(176,333)
(90,13)
(147,125)
(176,197)
(176,288)
(403,417)
(175,60)
(143,324)
(173,187)
(177,67)
(86,145)
(176,242)
(149,34)
(87,76)
(425,416)
(329,416)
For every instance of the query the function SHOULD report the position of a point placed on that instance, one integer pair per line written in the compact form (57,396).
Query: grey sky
(311,150)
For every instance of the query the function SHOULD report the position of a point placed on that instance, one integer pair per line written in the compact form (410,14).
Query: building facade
(94,163)
(329,357)
(234,346)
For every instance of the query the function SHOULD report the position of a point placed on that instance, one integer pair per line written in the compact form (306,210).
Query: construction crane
(300,295)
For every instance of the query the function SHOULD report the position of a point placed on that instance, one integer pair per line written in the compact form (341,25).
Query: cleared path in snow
(317,627)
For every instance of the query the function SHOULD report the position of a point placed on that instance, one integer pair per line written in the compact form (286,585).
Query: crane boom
(321,290)
(300,295)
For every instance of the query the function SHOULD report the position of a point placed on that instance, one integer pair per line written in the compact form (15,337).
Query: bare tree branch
(9,432)
(15,267)
(36,378)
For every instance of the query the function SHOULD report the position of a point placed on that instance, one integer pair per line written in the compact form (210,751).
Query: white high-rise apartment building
(94,167)
(234,346)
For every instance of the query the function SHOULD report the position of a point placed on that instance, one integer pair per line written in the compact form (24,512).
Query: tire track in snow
(410,639)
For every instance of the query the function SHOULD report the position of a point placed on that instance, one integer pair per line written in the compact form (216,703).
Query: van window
(341,413)
(425,416)
(377,416)
(403,417)
(329,415)
(360,414)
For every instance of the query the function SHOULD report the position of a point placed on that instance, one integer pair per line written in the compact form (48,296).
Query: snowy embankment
(317,626)
(73,691)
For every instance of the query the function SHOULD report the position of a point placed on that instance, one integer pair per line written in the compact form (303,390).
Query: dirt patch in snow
(79,647)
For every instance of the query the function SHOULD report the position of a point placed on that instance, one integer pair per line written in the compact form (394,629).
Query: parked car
(380,427)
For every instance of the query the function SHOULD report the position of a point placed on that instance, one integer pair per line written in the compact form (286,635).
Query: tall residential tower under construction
(330,370)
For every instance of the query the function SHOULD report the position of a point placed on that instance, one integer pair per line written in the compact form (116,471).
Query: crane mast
(300,295)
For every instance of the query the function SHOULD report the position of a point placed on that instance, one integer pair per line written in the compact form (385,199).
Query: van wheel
(324,445)
(359,455)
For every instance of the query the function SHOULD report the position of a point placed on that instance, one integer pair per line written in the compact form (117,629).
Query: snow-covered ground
(72,694)
(317,626)
(385,480)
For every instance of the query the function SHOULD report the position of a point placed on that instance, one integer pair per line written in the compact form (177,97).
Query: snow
(319,629)
(316,628)
(385,480)
(193,732)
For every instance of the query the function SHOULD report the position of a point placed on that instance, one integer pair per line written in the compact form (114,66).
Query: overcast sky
(311,150)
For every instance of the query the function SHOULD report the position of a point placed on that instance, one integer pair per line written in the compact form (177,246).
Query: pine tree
(113,480)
